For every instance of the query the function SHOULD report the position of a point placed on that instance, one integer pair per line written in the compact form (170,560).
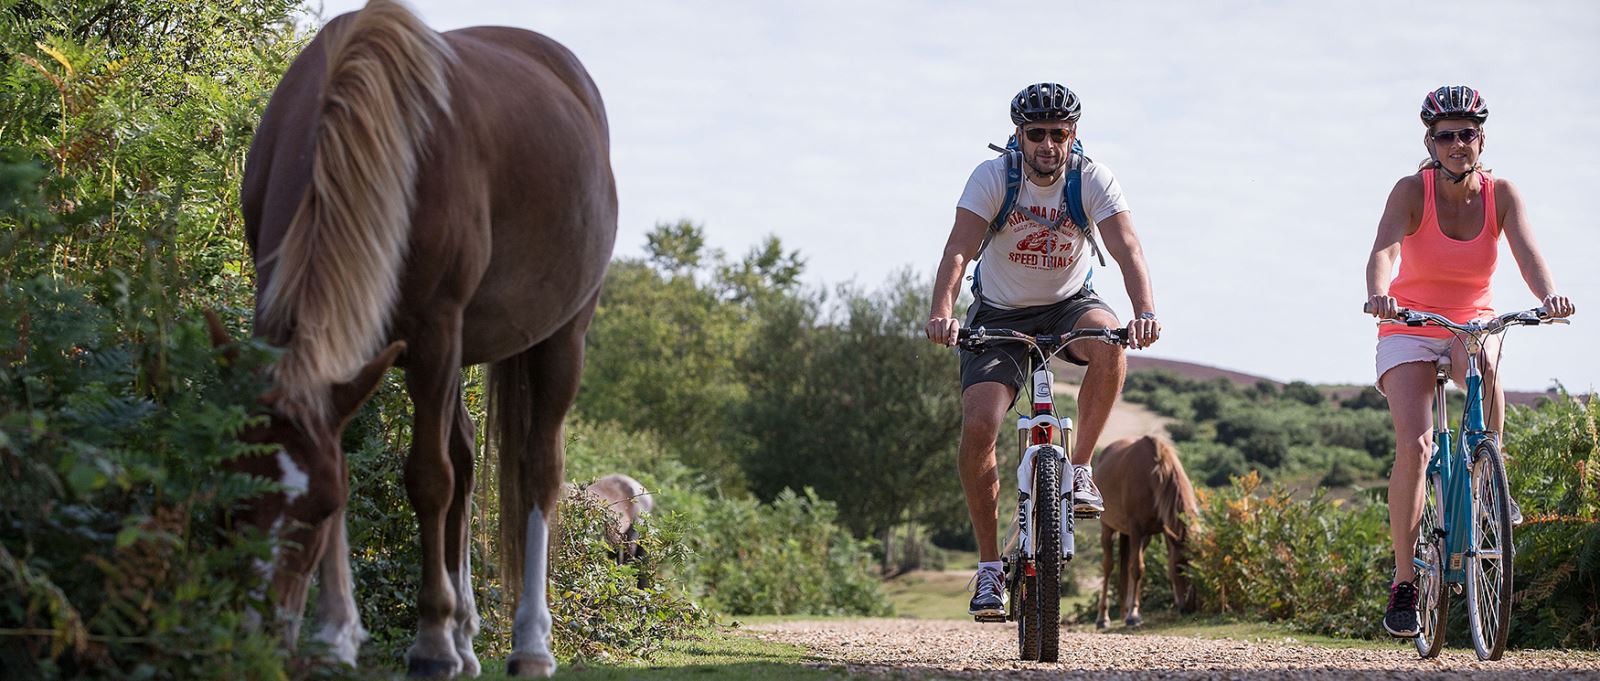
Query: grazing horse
(449,195)
(1147,494)
(625,501)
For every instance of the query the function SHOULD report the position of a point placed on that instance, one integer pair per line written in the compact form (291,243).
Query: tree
(861,407)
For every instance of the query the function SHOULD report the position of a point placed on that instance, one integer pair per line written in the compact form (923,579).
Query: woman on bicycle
(1444,223)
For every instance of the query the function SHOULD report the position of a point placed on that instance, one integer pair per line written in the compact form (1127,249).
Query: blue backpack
(1071,205)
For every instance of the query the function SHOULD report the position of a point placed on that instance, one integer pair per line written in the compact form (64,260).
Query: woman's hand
(1382,306)
(1558,305)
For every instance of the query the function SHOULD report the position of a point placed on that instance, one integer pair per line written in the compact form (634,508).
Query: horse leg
(291,580)
(1124,573)
(552,370)
(433,381)
(458,546)
(1136,580)
(1107,551)
(338,620)
(315,493)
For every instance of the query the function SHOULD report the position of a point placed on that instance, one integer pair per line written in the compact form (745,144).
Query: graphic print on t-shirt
(1038,247)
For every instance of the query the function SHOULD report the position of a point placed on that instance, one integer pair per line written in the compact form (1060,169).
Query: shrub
(112,448)
(1312,563)
(1554,466)
(789,557)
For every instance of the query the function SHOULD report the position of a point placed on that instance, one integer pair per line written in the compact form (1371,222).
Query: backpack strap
(1007,204)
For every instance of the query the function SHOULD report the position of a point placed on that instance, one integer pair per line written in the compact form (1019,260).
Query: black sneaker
(1401,619)
(988,594)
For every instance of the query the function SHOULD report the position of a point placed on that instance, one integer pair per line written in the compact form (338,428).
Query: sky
(1256,142)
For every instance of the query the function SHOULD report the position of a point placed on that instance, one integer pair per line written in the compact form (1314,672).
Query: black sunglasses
(1466,135)
(1057,135)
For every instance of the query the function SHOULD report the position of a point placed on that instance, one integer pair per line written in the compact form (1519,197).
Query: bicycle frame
(1453,467)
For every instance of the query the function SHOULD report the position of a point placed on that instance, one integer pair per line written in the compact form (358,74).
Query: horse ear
(350,395)
(220,338)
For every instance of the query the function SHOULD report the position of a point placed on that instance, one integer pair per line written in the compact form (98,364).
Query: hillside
(1140,362)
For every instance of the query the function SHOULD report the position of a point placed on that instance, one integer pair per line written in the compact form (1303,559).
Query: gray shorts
(1008,362)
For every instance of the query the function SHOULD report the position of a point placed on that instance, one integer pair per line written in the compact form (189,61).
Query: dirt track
(939,649)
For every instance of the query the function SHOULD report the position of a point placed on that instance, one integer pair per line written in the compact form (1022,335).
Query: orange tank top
(1442,275)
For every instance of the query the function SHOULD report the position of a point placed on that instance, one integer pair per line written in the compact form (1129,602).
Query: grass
(721,654)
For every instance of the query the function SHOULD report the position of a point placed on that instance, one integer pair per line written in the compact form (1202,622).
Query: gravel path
(945,649)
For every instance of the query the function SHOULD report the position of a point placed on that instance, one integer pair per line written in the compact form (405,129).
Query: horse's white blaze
(531,631)
(295,481)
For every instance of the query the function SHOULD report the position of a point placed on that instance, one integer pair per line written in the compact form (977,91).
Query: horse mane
(338,265)
(1174,494)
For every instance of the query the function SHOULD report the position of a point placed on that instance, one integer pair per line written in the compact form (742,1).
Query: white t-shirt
(1027,264)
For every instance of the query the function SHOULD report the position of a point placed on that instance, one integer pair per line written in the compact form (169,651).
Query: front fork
(1043,435)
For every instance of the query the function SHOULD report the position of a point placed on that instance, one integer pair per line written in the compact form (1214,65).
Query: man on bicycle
(1034,278)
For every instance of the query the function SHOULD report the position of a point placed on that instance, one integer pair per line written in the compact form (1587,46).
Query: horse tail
(338,266)
(526,482)
(1174,494)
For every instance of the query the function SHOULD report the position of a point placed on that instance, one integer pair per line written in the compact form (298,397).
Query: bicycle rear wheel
(1047,563)
(1489,571)
(1433,599)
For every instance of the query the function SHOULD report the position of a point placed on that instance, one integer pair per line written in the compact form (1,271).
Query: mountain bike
(1465,535)
(1040,539)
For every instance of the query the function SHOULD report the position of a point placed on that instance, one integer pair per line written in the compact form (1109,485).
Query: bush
(1313,563)
(112,448)
(1554,466)
(787,558)
(603,610)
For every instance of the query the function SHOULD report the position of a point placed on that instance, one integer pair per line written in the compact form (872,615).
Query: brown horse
(450,195)
(625,501)
(1146,494)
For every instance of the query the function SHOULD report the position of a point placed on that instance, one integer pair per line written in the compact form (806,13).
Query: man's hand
(1143,332)
(1558,305)
(1382,306)
(942,330)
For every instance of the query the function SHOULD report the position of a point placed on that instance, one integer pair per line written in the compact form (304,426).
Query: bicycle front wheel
(1433,599)
(1489,571)
(1047,560)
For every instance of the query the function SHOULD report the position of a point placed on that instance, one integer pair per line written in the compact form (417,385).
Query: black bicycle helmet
(1045,102)
(1447,102)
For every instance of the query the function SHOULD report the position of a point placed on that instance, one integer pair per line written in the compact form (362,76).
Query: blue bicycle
(1465,535)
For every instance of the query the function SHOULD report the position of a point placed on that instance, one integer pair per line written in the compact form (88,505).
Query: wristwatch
(1147,315)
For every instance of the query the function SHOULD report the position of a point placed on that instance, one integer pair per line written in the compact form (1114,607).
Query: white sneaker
(1085,495)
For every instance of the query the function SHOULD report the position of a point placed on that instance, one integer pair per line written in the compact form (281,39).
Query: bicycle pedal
(989,618)
(1085,515)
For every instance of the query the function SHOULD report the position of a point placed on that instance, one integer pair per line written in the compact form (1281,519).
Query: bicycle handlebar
(971,338)
(1533,317)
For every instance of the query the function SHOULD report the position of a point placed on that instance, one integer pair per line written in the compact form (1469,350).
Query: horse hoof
(531,665)
(1102,623)
(469,665)
(1134,621)
(420,668)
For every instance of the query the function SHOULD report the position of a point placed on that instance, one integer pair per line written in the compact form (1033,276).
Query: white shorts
(1400,348)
